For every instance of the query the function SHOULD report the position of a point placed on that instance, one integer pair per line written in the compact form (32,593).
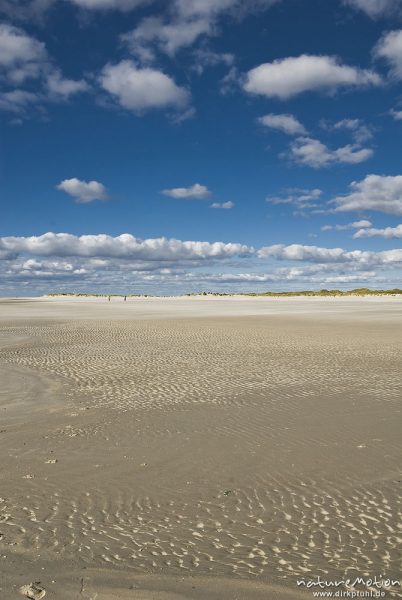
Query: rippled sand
(199,448)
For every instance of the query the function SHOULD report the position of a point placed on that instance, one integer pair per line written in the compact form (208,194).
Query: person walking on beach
(108,298)
(125,298)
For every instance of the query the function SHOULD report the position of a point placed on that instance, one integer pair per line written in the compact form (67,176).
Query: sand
(199,447)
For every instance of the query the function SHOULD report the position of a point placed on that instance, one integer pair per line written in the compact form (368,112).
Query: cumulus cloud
(16,46)
(140,89)
(377,8)
(21,56)
(390,49)
(83,191)
(362,258)
(99,263)
(291,76)
(382,193)
(24,59)
(124,246)
(193,192)
(313,153)
(283,122)
(224,205)
(387,232)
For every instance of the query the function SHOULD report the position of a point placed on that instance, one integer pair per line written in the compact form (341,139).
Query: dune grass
(323,292)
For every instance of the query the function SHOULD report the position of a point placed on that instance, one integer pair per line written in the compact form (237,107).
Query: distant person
(125,298)
(108,298)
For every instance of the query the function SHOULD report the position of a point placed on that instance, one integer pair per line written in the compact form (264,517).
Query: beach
(199,447)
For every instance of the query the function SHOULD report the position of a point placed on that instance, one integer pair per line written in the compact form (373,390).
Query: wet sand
(199,447)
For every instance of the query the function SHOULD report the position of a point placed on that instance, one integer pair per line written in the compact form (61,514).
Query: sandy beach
(195,447)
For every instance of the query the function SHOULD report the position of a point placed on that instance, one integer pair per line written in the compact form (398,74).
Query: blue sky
(189,145)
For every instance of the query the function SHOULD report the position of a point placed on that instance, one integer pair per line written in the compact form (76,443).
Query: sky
(180,146)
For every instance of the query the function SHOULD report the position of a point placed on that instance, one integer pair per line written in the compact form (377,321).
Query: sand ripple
(256,448)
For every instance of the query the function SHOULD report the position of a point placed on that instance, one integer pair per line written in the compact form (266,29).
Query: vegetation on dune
(324,292)
(88,295)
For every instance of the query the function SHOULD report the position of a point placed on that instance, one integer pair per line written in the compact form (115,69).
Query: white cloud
(22,57)
(301,198)
(102,263)
(230,81)
(360,131)
(167,37)
(313,153)
(363,223)
(299,252)
(382,193)
(83,191)
(376,8)
(396,114)
(185,22)
(193,192)
(387,232)
(83,275)
(189,9)
(34,10)
(237,277)
(140,89)
(123,5)
(225,205)
(368,276)
(17,47)
(60,88)
(390,48)
(17,101)
(291,76)
(204,57)
(283,122)
(29,10)
(124,246)
(206,8)
(360,258)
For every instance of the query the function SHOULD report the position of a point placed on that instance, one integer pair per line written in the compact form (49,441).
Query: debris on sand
(34,591)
